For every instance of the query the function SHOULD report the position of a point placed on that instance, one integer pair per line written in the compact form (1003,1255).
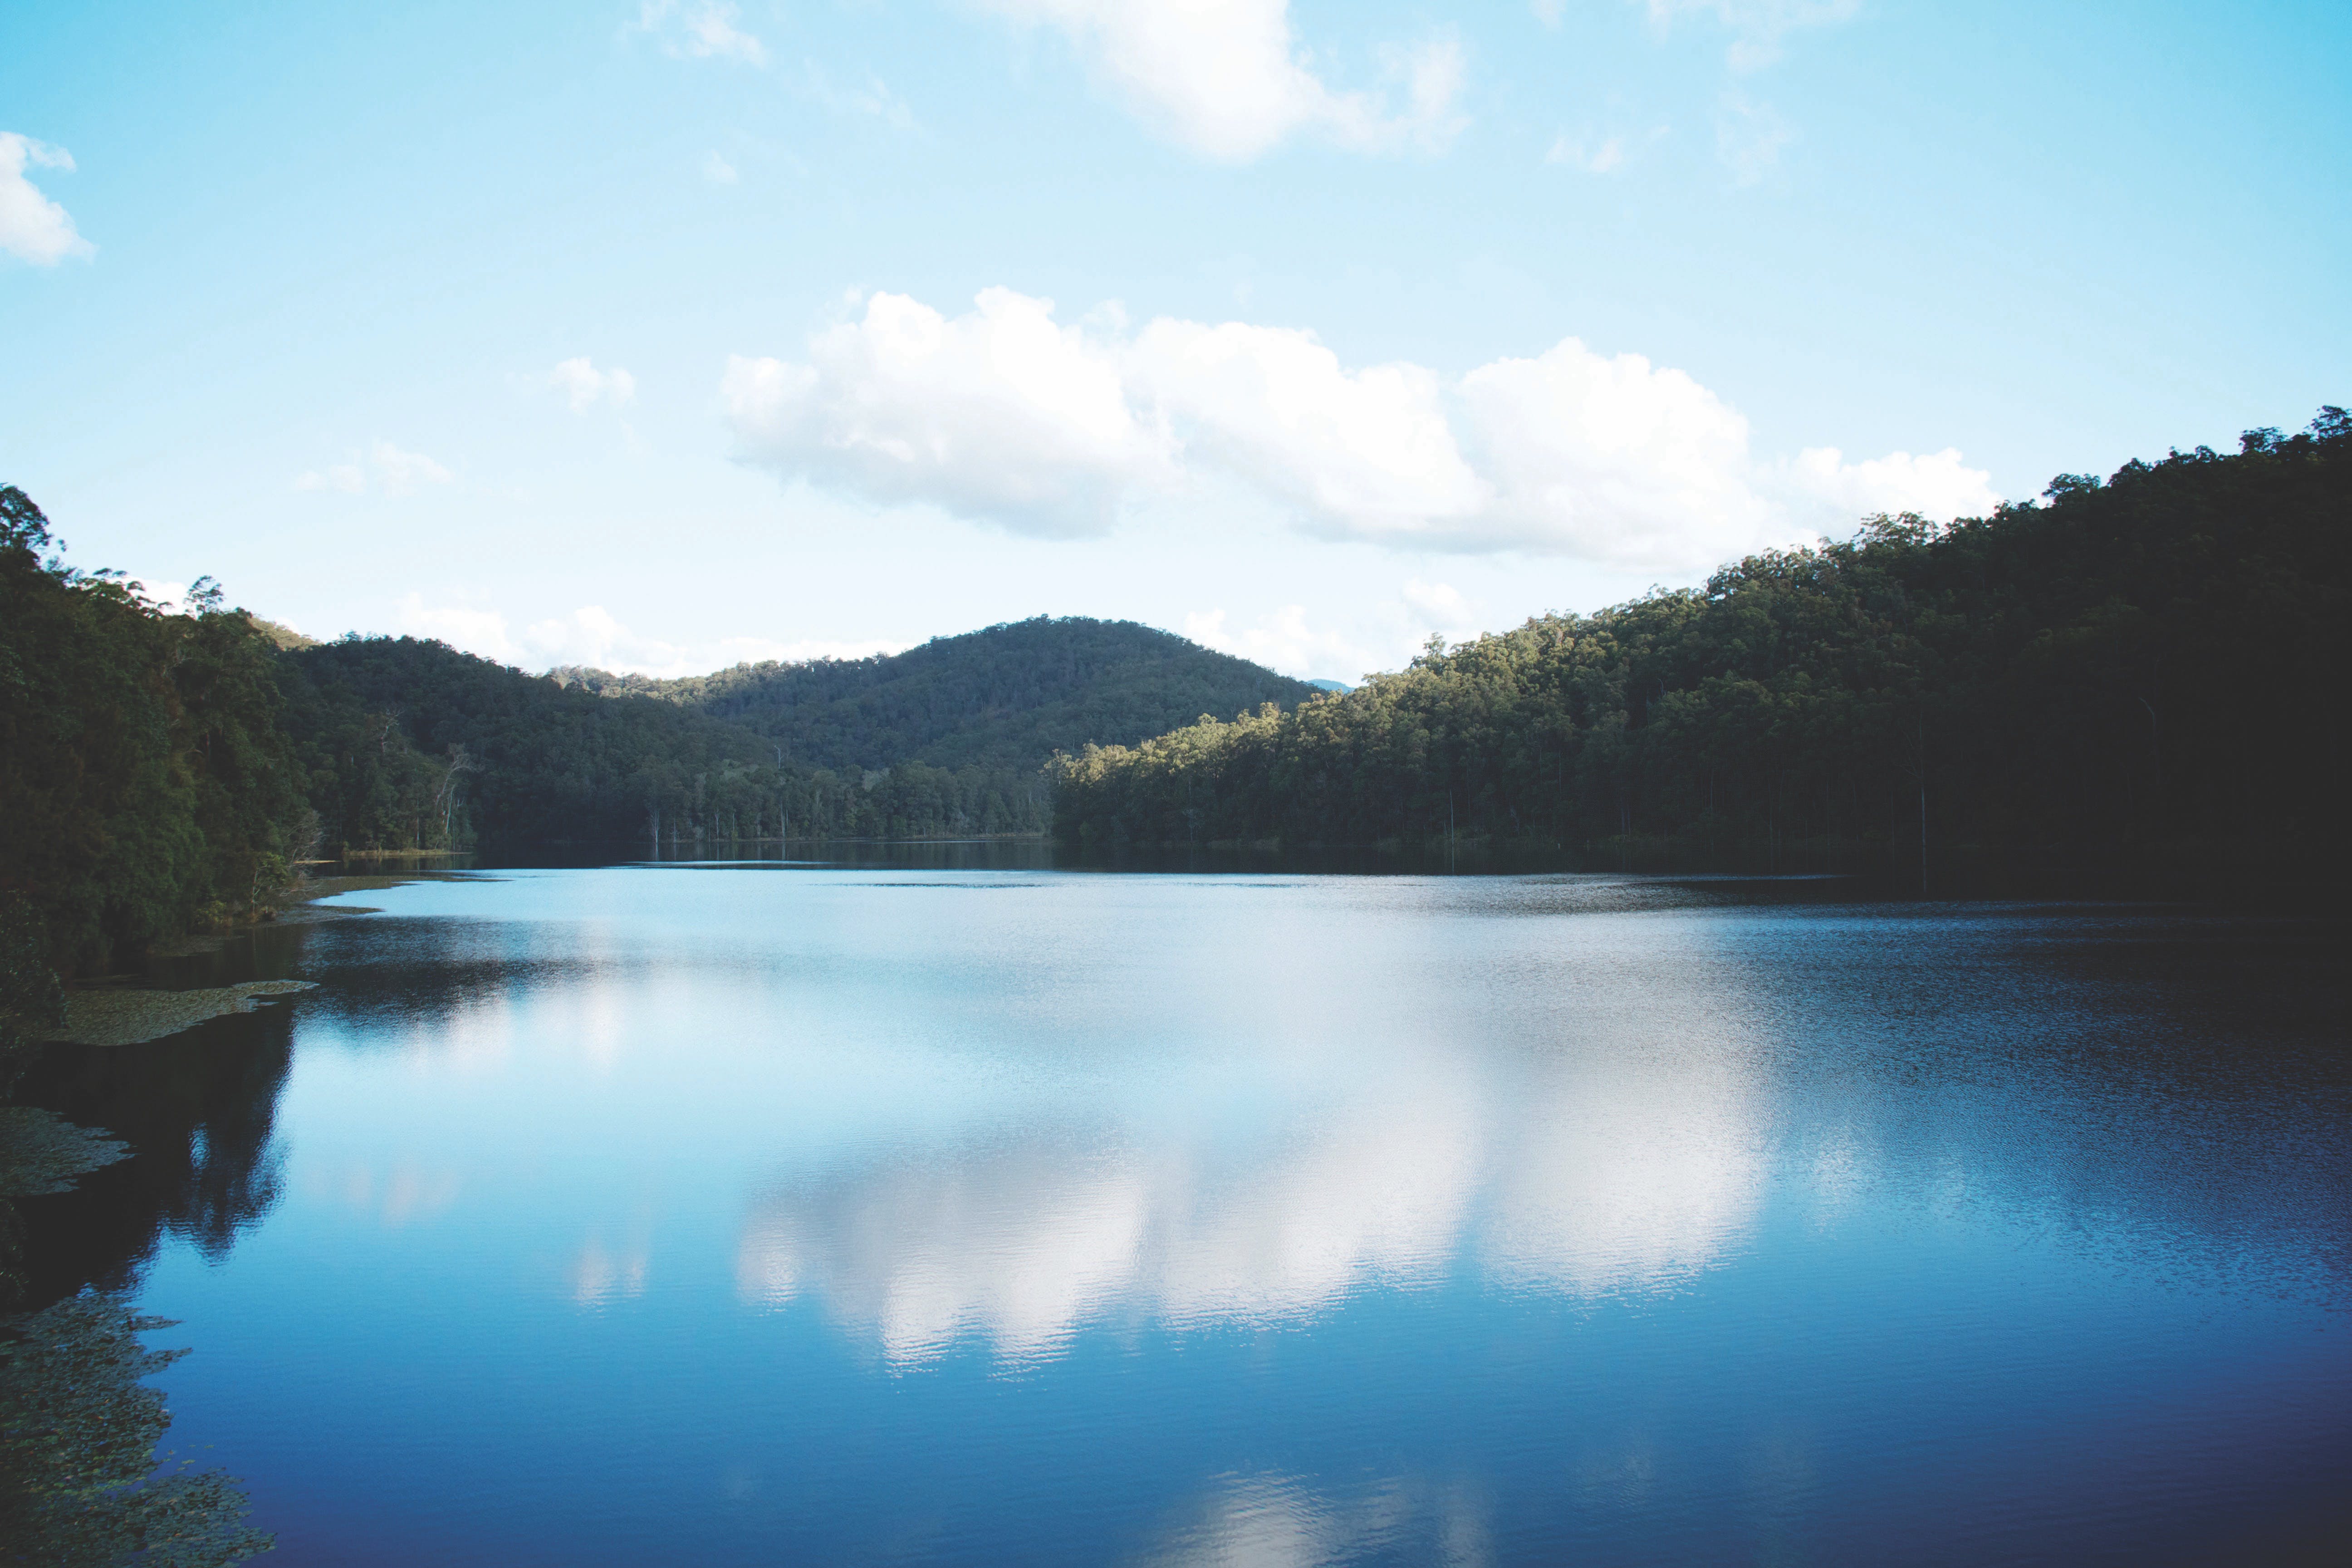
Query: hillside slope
(2132,671)
(408,744)
(1007,697)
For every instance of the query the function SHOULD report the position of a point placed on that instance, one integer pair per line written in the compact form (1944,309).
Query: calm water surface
(725,1215)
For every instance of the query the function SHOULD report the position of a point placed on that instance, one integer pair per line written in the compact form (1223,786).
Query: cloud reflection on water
(1280,1521)
(1583,1180)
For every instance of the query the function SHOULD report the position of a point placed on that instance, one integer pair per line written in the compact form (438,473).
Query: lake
(733,1214)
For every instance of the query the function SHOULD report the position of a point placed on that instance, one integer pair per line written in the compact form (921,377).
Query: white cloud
(1442,605)
(1227,78)
(1000,413)
(704,29)
(591,635)
(1283,641)
(1380,637)
(1365,452)
(390,469)
(1548,12)
(1006,416)
(1934,484)
(718,170)
(1604,157)
(33,227)
(584,385)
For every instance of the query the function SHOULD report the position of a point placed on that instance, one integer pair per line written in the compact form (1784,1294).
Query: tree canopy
(1003,698)
(2154,659)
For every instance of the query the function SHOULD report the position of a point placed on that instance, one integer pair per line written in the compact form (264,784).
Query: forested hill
(413,744)
(1007,697)
(409,745)
(2128,671)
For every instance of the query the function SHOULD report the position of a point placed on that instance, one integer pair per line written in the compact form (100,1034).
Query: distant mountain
(1325,683)
(1007,697)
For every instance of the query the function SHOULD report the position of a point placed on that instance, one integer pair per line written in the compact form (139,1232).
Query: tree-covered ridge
(1003,698)
(2152,660)
(146,783)
(409,745)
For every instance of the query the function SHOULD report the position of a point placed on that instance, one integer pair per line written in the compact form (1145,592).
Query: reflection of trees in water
(81,1484)
(197,1110)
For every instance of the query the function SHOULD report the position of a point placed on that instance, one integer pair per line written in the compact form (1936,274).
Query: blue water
(723,1215)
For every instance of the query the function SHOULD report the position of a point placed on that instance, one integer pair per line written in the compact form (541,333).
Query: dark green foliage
(144,780)
(947,738)
(1001,700)
(77,1436)
(32,999)
(2156,660)
(413,745)
(410,744)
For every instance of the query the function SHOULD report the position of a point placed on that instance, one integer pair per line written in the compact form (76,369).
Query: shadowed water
(754,1215)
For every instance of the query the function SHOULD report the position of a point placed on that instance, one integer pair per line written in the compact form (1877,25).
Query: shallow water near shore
(743,1214)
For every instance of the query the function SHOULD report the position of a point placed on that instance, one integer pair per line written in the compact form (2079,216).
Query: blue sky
(661,336)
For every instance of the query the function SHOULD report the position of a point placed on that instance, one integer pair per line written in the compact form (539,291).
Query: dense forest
(147,783)
(409,744)
(412,745)
(2148,665)
(1003,698)
(161,771)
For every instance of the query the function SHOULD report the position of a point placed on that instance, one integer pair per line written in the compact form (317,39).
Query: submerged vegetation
(2147,665)
(82,1482)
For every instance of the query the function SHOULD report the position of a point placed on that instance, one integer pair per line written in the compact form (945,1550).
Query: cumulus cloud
(1283,640)
(584,386)
(591,635)
(386,469)
(1006,414)
(33,227)
(1228,79)
(701,30)
(1932,484)
(1381,636)
(1000,413)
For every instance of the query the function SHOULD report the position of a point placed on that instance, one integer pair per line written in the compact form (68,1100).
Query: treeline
(2155,660)
(413,745)
(1003,699)
(147,784)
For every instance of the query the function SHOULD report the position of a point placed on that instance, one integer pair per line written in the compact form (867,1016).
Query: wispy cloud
(1228,78)
(386,469)
(1749,138)
(872,100)
(699,30)
(718,170)
(33,227)
(1605,155)
(1759,29)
